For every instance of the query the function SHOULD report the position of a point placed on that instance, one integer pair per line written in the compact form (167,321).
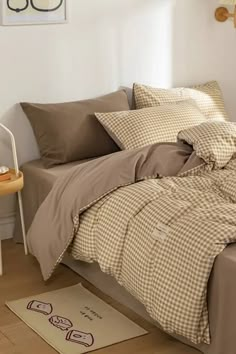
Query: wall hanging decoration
(222,14)
(30,12)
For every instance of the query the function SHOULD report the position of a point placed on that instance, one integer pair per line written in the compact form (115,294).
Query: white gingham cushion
(138,128)
(208,97)
(214,142)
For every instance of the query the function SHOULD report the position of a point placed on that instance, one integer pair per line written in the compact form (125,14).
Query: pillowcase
(69,131)
(214,142)
(208,98)
(134,129)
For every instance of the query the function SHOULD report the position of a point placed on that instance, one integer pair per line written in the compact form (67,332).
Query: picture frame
(33,12)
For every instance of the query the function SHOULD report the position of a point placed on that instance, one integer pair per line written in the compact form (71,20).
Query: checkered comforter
(159,238)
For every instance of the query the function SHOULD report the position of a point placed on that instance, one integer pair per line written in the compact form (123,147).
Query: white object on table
(3,170)
(16,166)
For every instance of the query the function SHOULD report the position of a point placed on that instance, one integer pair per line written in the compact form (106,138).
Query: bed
(221,291)
(130,176)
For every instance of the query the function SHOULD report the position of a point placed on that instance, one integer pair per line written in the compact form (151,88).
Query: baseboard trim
(7,227)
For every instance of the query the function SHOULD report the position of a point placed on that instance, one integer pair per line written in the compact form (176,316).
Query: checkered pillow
(138,128)
(208,97)
(214,142)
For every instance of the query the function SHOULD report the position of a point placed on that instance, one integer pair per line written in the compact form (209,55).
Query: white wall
(109,43)
(204,49)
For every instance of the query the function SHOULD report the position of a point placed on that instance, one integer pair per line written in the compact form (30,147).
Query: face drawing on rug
(61,322)
(41,307)
(79,337)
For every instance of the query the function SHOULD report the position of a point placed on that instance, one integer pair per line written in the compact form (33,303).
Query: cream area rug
(75,321)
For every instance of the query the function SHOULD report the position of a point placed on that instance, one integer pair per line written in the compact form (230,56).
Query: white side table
(14,185)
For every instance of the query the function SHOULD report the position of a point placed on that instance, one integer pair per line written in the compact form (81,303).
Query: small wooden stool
(13,185)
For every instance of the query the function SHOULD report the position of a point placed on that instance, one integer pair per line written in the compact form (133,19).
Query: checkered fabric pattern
(214,142)
(138,128)
(208,97)
(159,239)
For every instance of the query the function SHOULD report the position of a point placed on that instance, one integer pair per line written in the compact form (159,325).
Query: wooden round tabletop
(13,185)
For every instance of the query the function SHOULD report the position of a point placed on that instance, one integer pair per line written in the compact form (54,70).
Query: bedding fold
(57,220)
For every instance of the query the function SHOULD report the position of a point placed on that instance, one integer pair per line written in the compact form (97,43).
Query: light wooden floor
(22,278)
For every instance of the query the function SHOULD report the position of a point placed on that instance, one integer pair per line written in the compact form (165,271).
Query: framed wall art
(32,12)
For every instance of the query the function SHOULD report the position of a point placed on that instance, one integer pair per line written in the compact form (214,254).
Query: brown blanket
(56,224)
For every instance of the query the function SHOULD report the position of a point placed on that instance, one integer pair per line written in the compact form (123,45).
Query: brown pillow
(70,131)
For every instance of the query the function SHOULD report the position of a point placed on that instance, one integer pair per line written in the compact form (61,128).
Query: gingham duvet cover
(159,236)
(159,239)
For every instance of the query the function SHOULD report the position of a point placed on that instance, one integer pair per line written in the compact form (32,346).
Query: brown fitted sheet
(222,285)
(38,182)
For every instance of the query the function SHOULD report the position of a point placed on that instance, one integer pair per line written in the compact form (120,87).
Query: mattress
(221,288)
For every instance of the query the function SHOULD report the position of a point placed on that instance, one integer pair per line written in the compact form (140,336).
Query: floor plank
(22,278)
